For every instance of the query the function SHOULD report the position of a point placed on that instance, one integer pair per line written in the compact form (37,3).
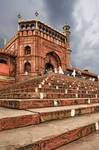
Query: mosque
(45,102)
(36,49)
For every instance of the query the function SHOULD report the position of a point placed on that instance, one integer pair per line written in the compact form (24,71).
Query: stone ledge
(49,135)
(40,103)
(10,119)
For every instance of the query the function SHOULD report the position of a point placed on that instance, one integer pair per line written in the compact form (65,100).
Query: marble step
(49,135)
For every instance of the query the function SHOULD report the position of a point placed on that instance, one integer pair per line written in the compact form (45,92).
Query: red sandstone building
(34,49)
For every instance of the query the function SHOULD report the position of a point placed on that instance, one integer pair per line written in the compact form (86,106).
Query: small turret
(20,18)
(67,32)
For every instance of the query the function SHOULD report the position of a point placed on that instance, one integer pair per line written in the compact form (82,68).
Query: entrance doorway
(52,61)
(49,68)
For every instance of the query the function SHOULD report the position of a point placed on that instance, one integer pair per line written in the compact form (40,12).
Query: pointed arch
(53,58)
(27,67)
(52,61)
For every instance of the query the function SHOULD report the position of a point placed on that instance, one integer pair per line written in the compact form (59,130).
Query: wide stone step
(70,95)
(20,95)
(39,103)
(58,89)
(49,135)
(90,142)
(54,113)
(10,118)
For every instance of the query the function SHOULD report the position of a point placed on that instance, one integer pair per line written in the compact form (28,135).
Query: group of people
(60,71)
(55,70)
(74,73)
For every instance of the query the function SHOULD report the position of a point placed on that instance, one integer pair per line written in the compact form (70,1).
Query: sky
(81,15)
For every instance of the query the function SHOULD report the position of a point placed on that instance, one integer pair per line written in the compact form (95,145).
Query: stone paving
(90,142)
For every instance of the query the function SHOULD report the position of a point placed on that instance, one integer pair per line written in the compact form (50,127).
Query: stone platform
(48,112)
(12,118)
(49,135)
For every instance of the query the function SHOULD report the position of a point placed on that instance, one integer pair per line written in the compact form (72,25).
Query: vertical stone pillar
(67,33)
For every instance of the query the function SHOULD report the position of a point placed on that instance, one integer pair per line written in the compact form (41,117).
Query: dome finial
(36,14)
(20,17)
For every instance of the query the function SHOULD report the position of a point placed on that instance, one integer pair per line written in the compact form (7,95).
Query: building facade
(35,49)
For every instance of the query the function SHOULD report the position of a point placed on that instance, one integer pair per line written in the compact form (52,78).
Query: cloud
(11,8)
(83,18)
(60,12)
(86,35)
(82,15)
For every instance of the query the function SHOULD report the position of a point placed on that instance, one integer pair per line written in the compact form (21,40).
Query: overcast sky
(81,15)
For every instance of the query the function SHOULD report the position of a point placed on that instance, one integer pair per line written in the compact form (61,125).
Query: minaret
(67,32)
(19,19)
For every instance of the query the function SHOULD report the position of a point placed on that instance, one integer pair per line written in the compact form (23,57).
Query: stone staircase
(47,112)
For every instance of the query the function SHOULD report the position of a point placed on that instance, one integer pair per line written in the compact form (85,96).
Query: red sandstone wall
(40,46)
(21,59)
(45,47)
(4,69)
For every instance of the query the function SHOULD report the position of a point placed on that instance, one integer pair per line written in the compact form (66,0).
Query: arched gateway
(41,48)
(52,61)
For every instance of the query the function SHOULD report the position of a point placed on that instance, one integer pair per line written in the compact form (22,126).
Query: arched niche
(27,50)
(27,67)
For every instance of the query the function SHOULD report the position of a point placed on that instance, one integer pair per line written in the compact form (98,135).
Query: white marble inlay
(40,86)
(97,125)
(49,84)
(56,103)
(46,79)
(77,88)
(86,92)
(72,112)
(41,95)
(57,87)
(19,100)
(89,101)
(96,95)
(43,83)
(66,91)
(76,95)
(36,89)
